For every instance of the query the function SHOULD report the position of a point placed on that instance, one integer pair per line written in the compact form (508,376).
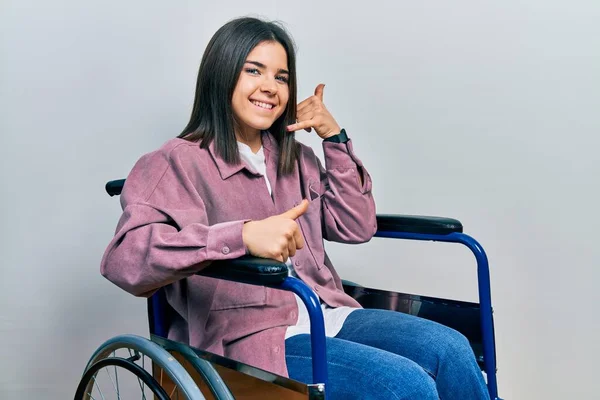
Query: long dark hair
(212,116)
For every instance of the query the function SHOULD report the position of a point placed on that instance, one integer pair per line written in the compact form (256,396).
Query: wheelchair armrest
(248,269)
(417,224)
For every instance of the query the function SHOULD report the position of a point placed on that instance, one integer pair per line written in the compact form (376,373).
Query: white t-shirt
(334,317)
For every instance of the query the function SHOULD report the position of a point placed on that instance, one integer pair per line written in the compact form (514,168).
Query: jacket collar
(227,170)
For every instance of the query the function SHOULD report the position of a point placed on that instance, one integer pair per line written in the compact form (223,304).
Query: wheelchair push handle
(114,188)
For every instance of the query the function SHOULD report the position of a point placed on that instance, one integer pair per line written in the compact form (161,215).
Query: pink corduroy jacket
(183,207)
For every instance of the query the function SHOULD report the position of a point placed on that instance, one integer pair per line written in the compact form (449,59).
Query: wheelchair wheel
(92,381)
(130,366)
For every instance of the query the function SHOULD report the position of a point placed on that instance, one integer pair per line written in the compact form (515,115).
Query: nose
(269,85)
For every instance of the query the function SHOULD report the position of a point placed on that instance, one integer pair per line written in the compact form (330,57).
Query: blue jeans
(382,354)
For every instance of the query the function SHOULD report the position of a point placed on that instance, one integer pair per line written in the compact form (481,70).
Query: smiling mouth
(264,106)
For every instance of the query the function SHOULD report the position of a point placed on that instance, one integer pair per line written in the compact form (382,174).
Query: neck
(250,138)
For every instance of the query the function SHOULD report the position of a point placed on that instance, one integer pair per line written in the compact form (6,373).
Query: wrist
(340,137)
(332,132)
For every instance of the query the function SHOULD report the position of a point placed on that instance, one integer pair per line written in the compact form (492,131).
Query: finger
(285,254)
(306,105)
(309,113)
(319,91)
(307,116)
(300,125)
(293,128)
(298,238)
(292,247)
(315,106)
(297,211)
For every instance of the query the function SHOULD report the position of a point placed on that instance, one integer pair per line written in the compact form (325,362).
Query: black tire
(132,367)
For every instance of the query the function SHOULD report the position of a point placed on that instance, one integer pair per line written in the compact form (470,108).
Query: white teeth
(262,105)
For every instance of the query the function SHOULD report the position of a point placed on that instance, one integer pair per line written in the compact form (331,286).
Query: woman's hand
(312,113)
(277,237)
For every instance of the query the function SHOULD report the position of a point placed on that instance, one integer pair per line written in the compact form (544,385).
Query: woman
(236,182)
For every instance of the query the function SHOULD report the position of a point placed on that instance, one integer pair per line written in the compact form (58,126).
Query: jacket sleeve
(348,208)
(163,234)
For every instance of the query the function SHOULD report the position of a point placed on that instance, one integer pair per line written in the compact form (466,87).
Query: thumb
(294,213)
(319,91)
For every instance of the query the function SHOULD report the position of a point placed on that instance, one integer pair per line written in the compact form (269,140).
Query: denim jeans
(382,354)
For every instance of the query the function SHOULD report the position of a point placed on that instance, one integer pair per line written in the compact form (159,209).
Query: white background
(483,111)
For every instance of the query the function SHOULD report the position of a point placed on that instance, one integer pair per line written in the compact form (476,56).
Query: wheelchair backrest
(158,307)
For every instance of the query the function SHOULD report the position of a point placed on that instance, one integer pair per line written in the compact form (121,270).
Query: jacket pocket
(230,295)
(312,226)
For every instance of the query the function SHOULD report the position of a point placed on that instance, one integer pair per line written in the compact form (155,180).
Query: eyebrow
(261,65)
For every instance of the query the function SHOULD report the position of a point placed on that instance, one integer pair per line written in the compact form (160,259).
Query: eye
(252,71)
(283,78)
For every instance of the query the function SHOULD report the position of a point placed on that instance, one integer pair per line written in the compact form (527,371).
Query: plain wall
(483,111)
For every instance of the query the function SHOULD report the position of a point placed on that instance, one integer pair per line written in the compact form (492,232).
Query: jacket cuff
(340,155)
(225,241)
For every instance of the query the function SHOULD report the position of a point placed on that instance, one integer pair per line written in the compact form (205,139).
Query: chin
(263,126)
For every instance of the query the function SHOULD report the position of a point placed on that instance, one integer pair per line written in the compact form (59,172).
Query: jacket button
(276,349)
(316,288)
(296,263)
(293,315)
(225,250)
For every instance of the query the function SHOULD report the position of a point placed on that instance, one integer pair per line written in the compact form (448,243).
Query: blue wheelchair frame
(317,326)
(273,274)
(485,294)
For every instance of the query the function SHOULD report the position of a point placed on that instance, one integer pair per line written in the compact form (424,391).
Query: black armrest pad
(114,188)
(417,224)
(247,269)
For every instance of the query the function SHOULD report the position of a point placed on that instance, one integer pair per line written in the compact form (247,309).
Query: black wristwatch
(339,138)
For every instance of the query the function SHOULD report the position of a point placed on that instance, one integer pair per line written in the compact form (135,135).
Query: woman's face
(261,93)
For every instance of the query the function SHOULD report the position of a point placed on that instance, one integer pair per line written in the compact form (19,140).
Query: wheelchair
(165,369)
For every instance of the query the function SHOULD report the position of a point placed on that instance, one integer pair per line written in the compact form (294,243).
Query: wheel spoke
(117,383)
(98,386)
(174,389)
(111,380)
(144,389)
